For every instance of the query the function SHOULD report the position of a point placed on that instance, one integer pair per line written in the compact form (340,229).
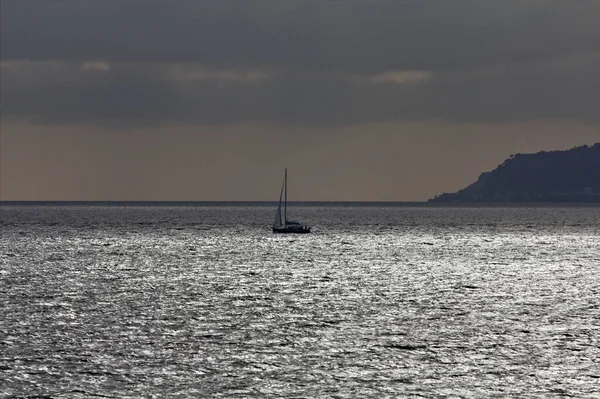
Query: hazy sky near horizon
(362,100)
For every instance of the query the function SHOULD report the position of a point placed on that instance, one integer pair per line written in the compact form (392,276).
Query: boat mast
(285,206)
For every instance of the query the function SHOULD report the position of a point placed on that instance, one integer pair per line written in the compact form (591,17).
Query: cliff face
(556,176)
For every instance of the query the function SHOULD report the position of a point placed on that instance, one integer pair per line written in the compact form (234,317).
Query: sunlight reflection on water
(167,301)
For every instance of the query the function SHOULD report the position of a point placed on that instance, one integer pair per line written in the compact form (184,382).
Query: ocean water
(380,301)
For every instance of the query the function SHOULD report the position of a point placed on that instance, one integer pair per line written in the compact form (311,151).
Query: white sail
(278,223)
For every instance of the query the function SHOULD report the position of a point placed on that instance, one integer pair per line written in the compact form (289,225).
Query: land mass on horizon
(555,176)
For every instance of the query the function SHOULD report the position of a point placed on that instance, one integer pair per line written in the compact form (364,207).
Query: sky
(396,100)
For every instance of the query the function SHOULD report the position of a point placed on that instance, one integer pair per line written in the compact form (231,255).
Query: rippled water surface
(204,301)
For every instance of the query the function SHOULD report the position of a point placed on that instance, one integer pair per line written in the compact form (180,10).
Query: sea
(178,300)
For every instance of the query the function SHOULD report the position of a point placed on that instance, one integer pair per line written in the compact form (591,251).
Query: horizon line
(214,201)
(428,203)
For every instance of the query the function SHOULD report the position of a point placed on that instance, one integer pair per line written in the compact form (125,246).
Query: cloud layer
(313,63)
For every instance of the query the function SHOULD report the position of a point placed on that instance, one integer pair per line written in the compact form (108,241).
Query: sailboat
(281,224)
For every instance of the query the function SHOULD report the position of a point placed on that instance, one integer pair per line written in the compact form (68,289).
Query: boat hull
(282,225)
(291,230)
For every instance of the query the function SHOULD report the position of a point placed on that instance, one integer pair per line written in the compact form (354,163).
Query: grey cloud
(68,93)
(133,94)
(353,36)
(303,62)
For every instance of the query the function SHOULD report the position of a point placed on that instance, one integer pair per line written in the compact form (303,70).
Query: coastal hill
(556,176)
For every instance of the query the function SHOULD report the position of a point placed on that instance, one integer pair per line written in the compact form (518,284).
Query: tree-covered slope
(556,176)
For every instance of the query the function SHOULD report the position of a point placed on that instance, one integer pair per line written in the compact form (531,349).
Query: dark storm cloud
(299,62)
(64,93)
(352,36)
